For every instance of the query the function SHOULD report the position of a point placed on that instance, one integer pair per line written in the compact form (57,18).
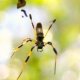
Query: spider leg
(30,17)
(29,54)
(24,42)
(50,27)
(54,49)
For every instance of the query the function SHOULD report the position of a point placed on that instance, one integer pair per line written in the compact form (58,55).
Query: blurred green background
(65,35)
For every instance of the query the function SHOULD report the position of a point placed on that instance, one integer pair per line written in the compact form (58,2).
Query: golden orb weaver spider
(37,43)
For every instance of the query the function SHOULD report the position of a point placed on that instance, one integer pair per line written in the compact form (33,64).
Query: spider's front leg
(24,64)
(24,42)
(54,49)
(29,54)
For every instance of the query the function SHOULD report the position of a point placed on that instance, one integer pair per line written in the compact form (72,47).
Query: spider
(37,43)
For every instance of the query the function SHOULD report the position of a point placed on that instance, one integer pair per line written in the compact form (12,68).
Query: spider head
(40,46)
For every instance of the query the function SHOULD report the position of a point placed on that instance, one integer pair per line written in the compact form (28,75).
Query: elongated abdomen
(39,32)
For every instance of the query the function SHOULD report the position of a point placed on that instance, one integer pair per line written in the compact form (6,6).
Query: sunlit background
(65,36)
